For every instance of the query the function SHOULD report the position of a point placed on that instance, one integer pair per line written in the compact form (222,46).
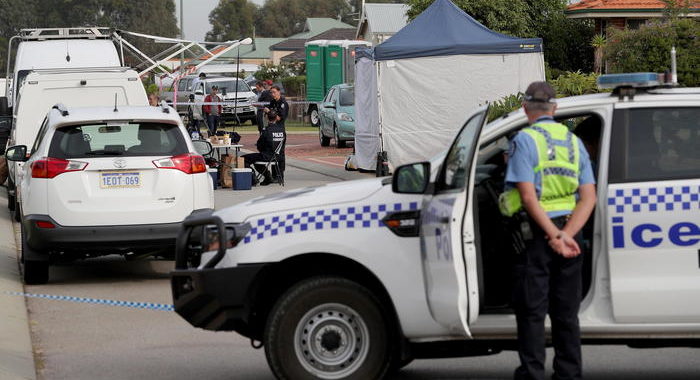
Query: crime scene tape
(98,301)
(240,104)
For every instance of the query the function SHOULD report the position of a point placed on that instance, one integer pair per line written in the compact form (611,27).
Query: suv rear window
(117,139)
(655,144)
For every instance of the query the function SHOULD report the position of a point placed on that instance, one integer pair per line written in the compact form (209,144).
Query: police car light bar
(633,80)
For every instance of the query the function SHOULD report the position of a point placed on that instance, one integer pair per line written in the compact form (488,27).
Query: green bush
(649,49)
(575,83)
(292,85)
(504,106)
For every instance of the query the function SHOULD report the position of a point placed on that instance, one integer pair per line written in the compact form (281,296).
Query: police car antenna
(115,102)
(674,70)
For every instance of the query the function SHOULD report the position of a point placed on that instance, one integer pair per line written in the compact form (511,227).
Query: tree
(649,49)
(504,16)
(282,18)
(232,20)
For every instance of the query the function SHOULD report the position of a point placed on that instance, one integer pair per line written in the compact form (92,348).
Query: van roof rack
(61,108)
(43,34)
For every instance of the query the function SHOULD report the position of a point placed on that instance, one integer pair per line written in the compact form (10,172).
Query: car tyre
(17,212)
(338,142)
(325,141)
(328,328)
(10,198)
(315,117)
(34,272)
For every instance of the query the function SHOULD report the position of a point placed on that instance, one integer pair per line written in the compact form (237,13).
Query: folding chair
(268,166)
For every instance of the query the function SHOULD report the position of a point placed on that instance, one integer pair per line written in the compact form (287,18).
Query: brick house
(622,13)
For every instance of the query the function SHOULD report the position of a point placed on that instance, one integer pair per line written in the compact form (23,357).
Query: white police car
(352,280)
(104,180)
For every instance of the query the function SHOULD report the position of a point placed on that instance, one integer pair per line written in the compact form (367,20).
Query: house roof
(316,25)
(289,44)
(606,6)
(297,44)
(332,34)
(385,18)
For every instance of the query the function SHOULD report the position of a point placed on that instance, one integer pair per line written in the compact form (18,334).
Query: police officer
(549,178)
(272,136)
(263,97)
(278,103)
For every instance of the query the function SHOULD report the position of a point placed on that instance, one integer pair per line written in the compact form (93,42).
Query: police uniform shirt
(281,107)
(523,158)
(270,138)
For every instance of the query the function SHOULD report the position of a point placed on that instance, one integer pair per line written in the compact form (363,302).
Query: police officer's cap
(540,92)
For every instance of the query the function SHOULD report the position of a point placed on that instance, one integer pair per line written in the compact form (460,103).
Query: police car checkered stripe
(97,301)
(331,218)
(654,199)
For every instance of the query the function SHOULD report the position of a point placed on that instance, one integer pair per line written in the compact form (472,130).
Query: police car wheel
(327,328)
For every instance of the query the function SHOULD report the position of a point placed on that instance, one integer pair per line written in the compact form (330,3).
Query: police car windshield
(347,97)
(122,139)
(228,86)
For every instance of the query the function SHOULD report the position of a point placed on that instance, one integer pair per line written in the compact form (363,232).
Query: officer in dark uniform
(549,181)
(278,104)
(264,96)
(272,136)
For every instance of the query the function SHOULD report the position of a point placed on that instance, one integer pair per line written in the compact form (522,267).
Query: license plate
(112,180)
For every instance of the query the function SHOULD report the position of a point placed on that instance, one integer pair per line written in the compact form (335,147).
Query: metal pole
(182,36)
(674,70)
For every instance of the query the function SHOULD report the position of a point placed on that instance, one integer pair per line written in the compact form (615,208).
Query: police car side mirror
(16,153)
(411,178)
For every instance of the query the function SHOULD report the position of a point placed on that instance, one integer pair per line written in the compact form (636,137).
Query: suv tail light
(49,167)
(187,163)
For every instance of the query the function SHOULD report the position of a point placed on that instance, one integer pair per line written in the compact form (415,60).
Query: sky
(197,16)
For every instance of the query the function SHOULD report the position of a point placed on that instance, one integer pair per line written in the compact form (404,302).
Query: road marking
(322,161)
(98,301)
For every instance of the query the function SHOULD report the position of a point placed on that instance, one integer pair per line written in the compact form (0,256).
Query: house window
(635,23)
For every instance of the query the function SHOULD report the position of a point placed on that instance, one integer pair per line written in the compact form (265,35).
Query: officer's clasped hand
(565,245)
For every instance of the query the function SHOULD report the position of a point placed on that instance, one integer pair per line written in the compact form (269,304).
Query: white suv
(105,180)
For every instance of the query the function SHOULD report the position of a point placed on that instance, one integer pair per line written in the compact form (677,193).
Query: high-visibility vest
(558,154)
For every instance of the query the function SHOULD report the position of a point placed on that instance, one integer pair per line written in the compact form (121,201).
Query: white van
(59,48)
(72,87)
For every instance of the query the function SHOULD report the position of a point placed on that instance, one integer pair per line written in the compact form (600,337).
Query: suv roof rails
(43,34)
(61,108)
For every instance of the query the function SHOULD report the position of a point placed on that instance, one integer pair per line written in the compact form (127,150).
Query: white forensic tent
(430,75)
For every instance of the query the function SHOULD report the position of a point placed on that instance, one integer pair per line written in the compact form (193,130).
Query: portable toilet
(315,71)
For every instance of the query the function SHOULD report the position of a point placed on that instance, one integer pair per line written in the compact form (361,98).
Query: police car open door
(447,235)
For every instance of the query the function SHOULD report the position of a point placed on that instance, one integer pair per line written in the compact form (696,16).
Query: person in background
(278,104)
(212,112)
(550,185)
(267,143)
(263,97)
(195,82)
(153,99)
